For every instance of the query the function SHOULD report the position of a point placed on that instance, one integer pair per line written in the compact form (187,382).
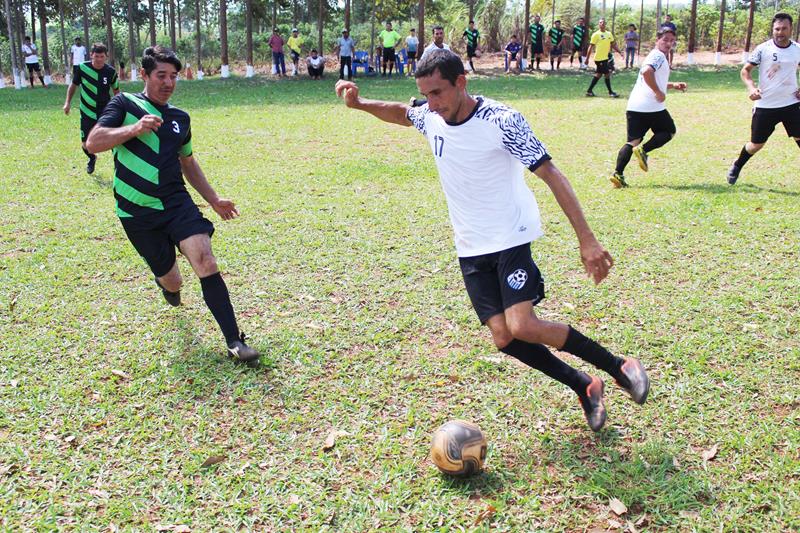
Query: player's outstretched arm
(393,112)
(226,209)
(70,94)
(103,138)
(596,260)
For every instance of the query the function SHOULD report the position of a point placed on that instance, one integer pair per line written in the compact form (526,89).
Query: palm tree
(692,33)
(718,55)
(320,25)
(421,28)
(109,31)
(172,39)
(197,38)
(131,43)
(178,9)
(45,52)
(15,66)
(223,36)
(249,32)
(85,24)
(63,38)
(613,15)
(152,15)
(749,30)
(347,14)
(526,30)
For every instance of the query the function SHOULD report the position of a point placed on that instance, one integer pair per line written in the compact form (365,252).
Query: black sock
(90,156)
(658,140)
(798,142)
(539,357)
(215,293)
(594,82)
(538,63)
(608,84)
(745,156)
(591,352)
(623,158)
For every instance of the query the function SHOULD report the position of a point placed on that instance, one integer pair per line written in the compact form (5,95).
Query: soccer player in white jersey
(481,148)
(646,108)
(777,98)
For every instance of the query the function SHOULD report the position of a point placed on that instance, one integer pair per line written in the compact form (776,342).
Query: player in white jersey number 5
(481,148)
(777,98)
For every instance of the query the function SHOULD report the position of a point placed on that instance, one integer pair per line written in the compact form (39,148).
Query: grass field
(343,271)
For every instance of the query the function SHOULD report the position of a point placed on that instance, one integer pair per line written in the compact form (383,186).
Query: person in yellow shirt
(389,40)
(602,43)
(295,44)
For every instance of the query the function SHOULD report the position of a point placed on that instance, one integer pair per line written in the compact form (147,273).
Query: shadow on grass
(646,479)
(481,485)
(716,188)
(102,181)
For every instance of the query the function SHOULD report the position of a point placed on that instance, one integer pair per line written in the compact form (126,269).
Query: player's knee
(502,337)
(172,281)
(752,148)
(523,325)
(207,263)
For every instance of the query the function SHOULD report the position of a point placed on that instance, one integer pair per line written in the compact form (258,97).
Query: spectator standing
(29,50)
(631,42)
(411,49)
(295,44)
(276,43)
(346,49)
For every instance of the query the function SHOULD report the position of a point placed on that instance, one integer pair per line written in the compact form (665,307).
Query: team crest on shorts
(516,280)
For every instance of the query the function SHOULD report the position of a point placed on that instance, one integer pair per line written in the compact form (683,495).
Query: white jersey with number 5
(481,163)
(777,73)
(643,99)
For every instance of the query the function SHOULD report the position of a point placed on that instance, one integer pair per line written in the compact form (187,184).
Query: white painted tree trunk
(226,72)
(717,58)
(250,71)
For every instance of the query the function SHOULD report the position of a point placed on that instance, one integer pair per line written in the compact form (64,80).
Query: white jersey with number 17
(777,73)
(481,163)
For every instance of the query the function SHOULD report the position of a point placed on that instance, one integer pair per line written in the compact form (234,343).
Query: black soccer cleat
(172,298)
(634,380)
(733,174)
(592,403)
(612,94)
(241,351)
(90,164)
(590,94)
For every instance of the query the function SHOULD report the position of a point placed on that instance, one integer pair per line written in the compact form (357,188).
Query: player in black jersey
(97,80)
(579,32)
(556,35)
(152,144)
(537,41)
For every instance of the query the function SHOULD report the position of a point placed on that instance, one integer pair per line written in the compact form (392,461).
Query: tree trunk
(152,15)
(526,30)
(45,51)
(33,21)
(294,13)
(587,19)
(15,66)
(641,23)
(223,30)
(275,13)
(750,25)
(347,14)
(131,42)
(164,24)
(471,10)
(198,44)
(372,30)
(320,24)
(109,31)
(85,13)
(63,37)
(721,25)
(178,9)
(421,28)
(613,16)
(249,31)
(172,40)
(693,27)
(658,14)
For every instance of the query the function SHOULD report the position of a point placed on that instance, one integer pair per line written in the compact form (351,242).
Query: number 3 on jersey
(438,145)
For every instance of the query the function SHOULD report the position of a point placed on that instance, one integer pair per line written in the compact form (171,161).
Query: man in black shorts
(556,45)
(602,42)
(579,32)
(646,108)
(482,149)
(537,41)
(471,35)
(29,52)
(777,97)
(152,143)
(97,80)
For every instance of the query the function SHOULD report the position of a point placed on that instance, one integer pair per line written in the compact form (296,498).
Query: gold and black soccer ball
(459,448)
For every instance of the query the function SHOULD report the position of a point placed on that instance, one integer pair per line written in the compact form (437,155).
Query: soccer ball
(459,448)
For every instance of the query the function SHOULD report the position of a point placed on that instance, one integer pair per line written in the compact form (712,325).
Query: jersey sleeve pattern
(114,113)
(417,117)
(656,61)
(755,57)
(516,135)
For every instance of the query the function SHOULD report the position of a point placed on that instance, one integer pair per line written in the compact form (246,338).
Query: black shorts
(556,51)
(602,67)
(75,71)
(156,236)
(537,48)
(499,280)
(412,54)
(87,123)
(388,54)
(639,123)
(32,67)
(471,51)
(765,120)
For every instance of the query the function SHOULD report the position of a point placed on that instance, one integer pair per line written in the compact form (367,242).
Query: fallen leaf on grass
(69,439)
(617,506)
(180,528)
(643,521)
(120,374)
(330,442)
(112,528)
(693,515)
(613,524)
(97,493)
(214,459)
(483,515)
(631,527)
(294,499)
(708,455)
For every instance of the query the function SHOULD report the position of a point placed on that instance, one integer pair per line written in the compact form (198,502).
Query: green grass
(343,271)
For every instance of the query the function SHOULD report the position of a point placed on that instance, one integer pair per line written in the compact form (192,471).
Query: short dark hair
(782,16)
(77,39)
(557,22)
(99,48)
(663,31)
(27,37)
(514,36)
(437,28)
(472,22)
(446,62)
(632,26)
(159,54)
(314,50)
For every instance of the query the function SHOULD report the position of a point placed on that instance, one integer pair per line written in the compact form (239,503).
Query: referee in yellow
(602,43)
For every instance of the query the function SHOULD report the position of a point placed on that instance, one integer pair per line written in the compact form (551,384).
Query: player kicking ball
(777,98)
(481,148)
(152,144)
(647,109)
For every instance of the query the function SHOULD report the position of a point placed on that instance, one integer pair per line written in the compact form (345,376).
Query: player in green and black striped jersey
(471,35)
(96,81)
(579,32)
(556,35)
(537,41)
(152,145)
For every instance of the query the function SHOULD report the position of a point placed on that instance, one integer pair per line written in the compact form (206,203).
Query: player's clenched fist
(348,91)
(148,123)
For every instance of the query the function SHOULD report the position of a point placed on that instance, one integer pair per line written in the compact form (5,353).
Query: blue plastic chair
(361,60)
